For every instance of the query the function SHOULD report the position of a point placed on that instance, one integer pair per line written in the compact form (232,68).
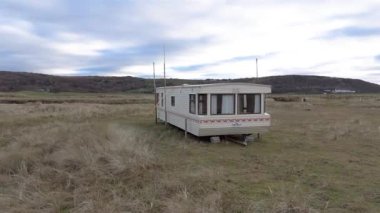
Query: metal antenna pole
(257,70)
(155,94)
(166,115)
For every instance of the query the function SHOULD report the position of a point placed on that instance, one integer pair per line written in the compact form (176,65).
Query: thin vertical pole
(165,86)
(155,94)
(257,70)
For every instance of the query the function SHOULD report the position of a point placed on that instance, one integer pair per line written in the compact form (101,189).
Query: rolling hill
(23,81)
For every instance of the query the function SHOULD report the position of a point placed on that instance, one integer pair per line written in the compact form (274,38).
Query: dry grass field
(103,153)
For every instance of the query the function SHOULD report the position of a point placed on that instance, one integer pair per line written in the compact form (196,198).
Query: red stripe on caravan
(219,120)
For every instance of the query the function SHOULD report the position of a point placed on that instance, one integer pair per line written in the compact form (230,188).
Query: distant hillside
(315,84)
(21,81)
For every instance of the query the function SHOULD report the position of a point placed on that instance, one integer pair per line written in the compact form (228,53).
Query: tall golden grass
(71,160)
(58,158)
(83,157)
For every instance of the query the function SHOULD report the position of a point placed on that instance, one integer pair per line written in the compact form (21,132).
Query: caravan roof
(217,85)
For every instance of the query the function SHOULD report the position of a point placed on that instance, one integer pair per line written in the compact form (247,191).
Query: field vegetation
(103,153)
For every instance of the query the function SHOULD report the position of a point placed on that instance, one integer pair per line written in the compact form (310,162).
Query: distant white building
(339,91)
(215,109)
(343,91)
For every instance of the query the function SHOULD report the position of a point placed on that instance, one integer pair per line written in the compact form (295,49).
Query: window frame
(204,102)
(195,103)
(254,103)
(221,94)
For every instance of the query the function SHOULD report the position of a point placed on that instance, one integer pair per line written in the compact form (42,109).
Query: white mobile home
(215,109)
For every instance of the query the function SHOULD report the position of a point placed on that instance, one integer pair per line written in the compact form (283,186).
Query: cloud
(79,45)
(200,66)
(204,39)
(100,70)
(353,31)
(376,74)
(221,62)
(373,68)
(87,34)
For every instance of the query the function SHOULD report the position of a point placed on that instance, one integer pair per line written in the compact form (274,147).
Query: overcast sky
(203,39)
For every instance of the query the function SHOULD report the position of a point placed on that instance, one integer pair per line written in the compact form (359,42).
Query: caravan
(215,109)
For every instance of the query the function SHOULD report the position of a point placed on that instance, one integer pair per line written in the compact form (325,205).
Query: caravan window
(265,103)
(157,98)
(162,99)
(249,104)
(202,104)
(192,103)
(222,104)
(173,101)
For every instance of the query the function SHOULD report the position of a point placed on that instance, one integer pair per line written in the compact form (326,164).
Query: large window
(222,104)
(192,103)
(202,104)
(249,104)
